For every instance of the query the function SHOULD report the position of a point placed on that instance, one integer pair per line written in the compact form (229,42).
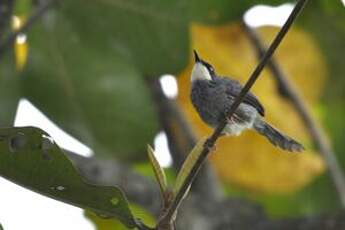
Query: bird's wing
(234,88)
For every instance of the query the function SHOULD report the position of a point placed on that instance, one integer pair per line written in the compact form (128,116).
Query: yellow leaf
(21,52)
(250,160)
(20,44)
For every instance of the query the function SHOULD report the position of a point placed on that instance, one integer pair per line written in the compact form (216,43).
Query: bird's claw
(209,145)
(227,118)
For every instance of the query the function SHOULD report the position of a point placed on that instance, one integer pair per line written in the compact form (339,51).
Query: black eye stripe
(208,66)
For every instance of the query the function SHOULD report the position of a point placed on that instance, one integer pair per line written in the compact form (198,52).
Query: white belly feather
(235,129)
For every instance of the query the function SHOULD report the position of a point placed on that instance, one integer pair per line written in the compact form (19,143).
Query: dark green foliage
(30,158)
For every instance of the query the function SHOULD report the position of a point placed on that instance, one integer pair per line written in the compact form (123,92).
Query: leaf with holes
(30,158)
(108,224)
(157,169)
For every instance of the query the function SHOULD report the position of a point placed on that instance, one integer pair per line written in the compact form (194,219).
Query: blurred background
(105,78)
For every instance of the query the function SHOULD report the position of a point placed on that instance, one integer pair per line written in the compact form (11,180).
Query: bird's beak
(196,56)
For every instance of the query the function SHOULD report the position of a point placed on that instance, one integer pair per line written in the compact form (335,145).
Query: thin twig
(6,8)
(211,141)
(4,46)
(316,132)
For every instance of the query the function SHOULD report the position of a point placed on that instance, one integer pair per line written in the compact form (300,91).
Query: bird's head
(202,70)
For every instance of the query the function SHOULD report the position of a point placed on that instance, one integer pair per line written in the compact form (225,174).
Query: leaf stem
(217,132)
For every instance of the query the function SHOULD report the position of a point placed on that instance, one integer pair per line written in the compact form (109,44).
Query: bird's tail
(276,137)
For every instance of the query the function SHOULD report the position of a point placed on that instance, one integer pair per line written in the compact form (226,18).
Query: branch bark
(289,91)
(214,137)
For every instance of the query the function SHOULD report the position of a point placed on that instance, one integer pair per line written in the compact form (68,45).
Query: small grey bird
(212,96)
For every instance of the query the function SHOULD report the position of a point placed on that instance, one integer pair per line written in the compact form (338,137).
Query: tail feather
(276,137)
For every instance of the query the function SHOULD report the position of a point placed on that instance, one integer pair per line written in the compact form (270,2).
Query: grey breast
(210,100)
(213,98)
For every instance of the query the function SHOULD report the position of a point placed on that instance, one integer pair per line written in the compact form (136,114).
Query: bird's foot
(210,145)
(229,120)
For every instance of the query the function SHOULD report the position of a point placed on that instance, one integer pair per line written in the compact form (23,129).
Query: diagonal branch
(6,44)
(214,137)
(315,131)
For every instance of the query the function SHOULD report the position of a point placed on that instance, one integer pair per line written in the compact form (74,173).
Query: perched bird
(212,96)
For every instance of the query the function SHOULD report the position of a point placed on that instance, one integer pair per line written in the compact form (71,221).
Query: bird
(213,95)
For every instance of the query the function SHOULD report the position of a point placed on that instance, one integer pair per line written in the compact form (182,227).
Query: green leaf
(157,169)
(31,159)
(92,93)
(87,64)
(152,34)
(108,224)
(188,165)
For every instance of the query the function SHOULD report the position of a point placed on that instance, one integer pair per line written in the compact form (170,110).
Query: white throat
(200,72)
